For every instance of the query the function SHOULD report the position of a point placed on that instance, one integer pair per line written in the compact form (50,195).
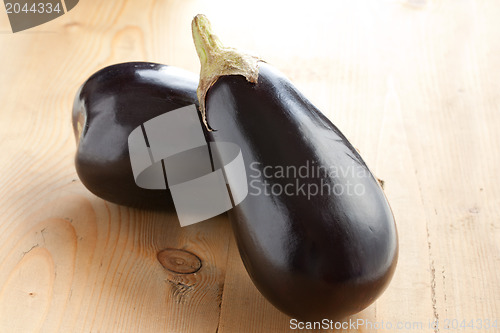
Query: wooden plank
(69,261)
(457,161)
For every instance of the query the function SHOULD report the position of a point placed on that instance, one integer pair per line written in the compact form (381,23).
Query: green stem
(217,60)
(205,41)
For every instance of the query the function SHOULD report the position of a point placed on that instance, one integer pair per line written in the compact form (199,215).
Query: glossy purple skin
(109,105)
(325,257)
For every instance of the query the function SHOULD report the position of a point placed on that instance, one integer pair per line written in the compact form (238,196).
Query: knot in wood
(179,261)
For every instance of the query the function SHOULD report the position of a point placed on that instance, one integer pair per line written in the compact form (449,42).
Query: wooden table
(413,84)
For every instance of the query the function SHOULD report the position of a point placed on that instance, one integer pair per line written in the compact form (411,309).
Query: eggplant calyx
(79,118)
(217,60)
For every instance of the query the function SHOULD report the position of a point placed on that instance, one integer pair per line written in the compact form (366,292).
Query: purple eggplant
(317,244)
(108,106)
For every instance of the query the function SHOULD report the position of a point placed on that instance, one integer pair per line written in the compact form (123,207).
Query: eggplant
(107,107)
(317,244)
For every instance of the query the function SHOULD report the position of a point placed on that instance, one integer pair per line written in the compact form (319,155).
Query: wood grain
(413,85)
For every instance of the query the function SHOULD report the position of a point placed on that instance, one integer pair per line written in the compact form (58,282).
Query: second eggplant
(107,107)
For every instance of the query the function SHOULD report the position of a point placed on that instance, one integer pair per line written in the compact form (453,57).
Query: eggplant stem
(217,60)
